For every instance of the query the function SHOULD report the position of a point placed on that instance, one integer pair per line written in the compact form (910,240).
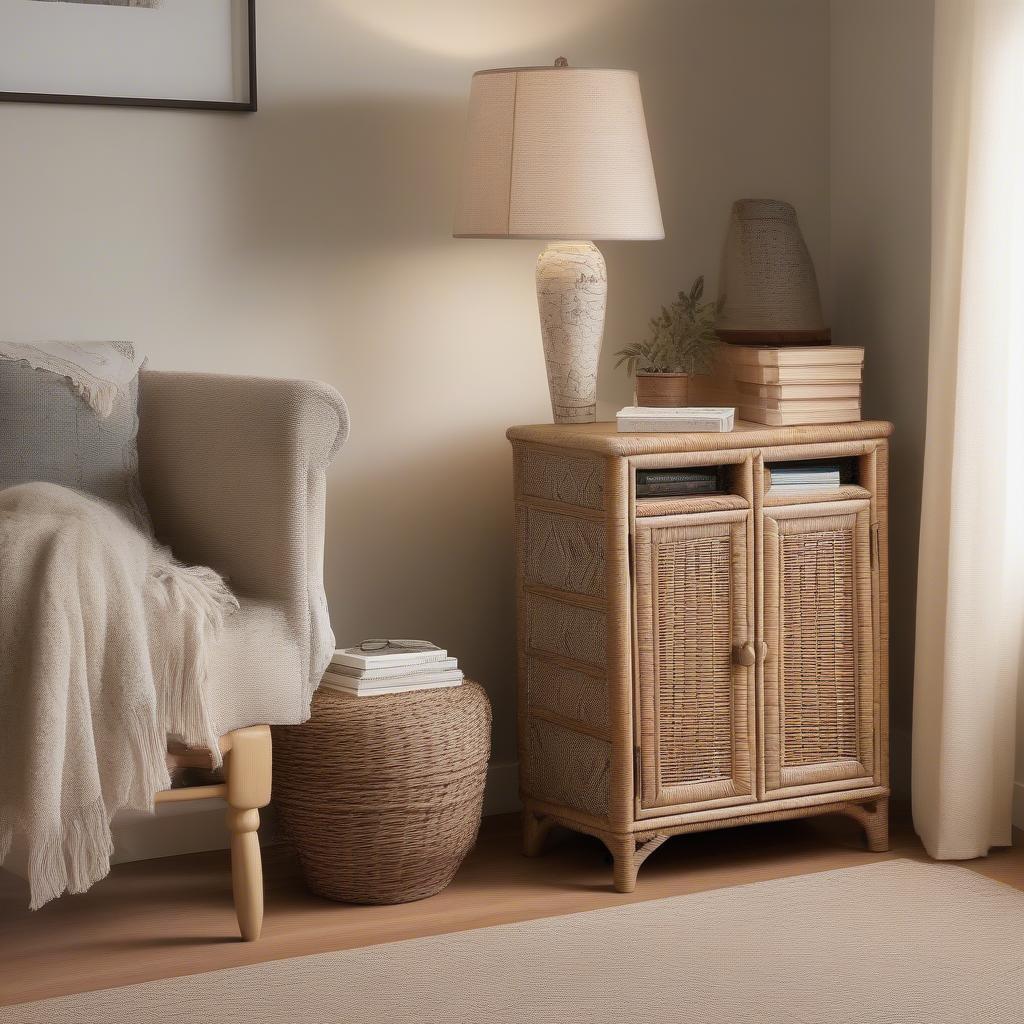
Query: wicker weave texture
(820,677)
(694,622)
(382,796)
(693,605)
(819,689)
(768,278)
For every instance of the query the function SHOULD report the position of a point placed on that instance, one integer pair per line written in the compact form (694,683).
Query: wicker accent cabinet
(699,662)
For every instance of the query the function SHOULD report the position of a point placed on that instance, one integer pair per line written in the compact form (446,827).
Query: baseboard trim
(179,827)
(195,827)
(1018,805)
(502,793)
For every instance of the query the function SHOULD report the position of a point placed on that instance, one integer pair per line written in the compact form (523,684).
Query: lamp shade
(557,153)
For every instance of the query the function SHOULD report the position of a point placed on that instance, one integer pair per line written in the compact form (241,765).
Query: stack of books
(785,386)
(803,478)
(399,666)
(649,419)
(680,483)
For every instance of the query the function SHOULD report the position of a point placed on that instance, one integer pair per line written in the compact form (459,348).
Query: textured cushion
(50,432)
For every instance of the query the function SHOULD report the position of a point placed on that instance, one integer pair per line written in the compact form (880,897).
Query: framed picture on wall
(194,54)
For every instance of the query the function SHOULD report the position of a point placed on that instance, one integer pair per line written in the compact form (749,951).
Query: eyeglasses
(402,645)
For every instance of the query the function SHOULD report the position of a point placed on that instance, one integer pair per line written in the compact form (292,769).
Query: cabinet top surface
(605,438)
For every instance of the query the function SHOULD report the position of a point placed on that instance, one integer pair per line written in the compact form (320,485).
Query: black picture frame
(247,106)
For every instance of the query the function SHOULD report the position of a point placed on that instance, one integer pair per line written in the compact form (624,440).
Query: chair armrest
(233,471)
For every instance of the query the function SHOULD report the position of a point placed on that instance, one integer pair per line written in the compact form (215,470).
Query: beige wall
(313,239)
(881,58)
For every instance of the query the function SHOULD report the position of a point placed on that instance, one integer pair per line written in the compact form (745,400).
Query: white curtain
(970,611)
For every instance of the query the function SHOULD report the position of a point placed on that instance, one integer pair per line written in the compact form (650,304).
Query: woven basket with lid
(381,796)
(768,280)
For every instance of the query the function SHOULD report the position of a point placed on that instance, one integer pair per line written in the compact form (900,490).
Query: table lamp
(561,153)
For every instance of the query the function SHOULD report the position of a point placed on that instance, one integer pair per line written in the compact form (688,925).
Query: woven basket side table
(382,796)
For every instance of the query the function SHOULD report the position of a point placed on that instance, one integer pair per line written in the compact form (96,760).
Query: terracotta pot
(662,389)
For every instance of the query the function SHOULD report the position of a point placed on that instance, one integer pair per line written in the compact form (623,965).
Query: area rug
(896,942)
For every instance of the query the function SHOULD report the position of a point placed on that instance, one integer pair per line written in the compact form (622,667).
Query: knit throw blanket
(103,653)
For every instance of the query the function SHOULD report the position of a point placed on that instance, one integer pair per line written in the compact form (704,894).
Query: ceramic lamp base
(572,294)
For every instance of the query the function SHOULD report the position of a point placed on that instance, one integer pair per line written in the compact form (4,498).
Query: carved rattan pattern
(562,691)
(573,480)
(567,631)
(565,553)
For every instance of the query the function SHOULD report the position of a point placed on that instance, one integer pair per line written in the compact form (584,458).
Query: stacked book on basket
(390,666)
(793,384)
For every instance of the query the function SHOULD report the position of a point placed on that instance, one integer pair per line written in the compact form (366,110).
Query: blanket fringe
(71,858)
(201,600)
(153,622)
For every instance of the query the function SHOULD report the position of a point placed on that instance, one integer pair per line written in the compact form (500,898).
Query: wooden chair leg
(248,776)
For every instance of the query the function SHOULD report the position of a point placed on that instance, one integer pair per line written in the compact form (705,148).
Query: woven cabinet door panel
(821,701)
(694,606)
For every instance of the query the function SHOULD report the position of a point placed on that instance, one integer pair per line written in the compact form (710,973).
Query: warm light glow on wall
(478,29)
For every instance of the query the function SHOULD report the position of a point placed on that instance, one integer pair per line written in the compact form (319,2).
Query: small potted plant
(682,343)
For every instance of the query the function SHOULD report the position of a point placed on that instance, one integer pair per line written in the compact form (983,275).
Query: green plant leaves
(682,337)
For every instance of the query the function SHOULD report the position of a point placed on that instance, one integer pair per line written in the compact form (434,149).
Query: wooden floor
(164,918)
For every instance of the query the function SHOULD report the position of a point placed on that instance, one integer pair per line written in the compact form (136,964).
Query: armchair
(233,472)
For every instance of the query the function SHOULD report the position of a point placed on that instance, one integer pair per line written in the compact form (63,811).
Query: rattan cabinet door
(694,627)
(820,692)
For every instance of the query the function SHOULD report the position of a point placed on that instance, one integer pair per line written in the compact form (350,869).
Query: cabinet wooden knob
(744,654)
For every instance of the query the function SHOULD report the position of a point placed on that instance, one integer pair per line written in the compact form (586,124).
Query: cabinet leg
(874,818)
(623,851)
(876,825)
(535,830)
(628,855)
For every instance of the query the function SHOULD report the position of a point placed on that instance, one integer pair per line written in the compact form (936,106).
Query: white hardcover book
(807,476)
(640,419)
(402,681)
(781,489)
(395,671)
(342,685)
(357,657)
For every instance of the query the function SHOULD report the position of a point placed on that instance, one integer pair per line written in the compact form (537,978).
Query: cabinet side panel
(556,476)
(564,748)
(619,637)
(568,768)
(565,630)
(564,552)
(568,693)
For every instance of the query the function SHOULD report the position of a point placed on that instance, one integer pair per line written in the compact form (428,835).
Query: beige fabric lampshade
(557,152)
